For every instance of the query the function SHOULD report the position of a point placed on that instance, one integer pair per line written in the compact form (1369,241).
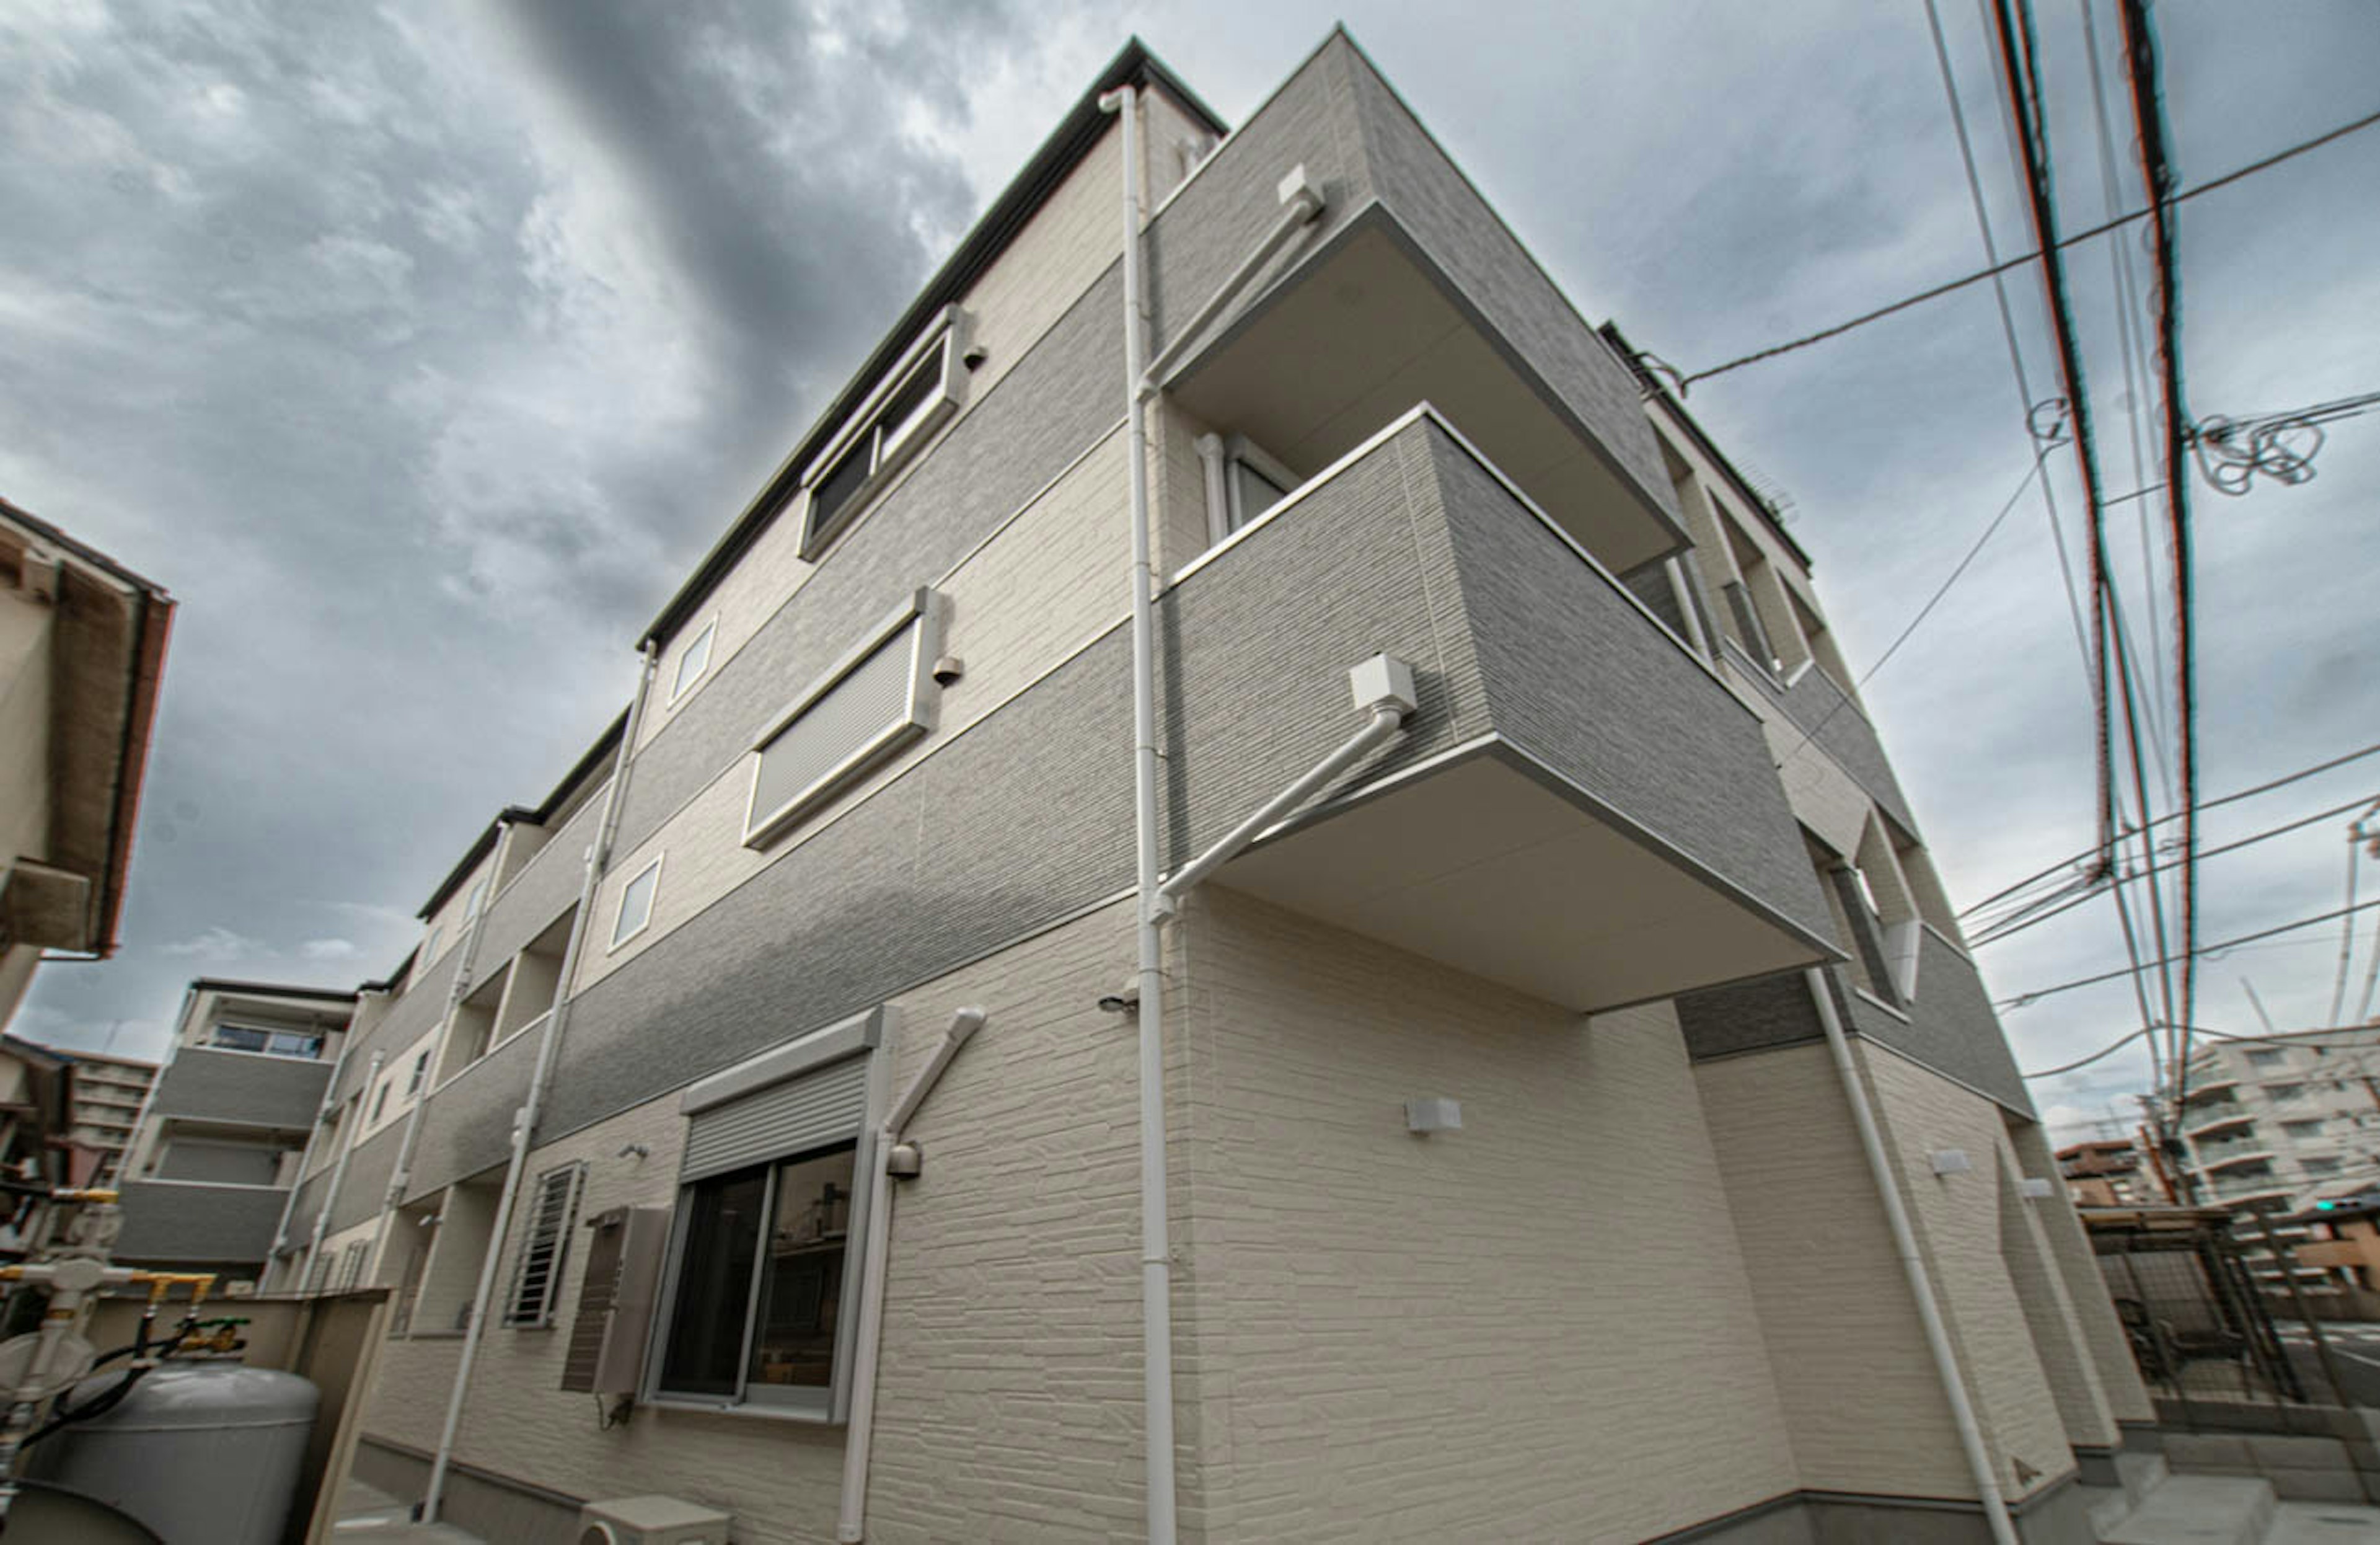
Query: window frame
(940,347)
(922,615)
(572,1178)
(704,640)
(811,1054)
(620,911)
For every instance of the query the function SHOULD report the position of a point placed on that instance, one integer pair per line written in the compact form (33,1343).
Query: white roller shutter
(813,1110)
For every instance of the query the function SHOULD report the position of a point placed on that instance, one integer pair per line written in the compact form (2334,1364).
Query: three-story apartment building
(109,1093)
(1574,1114)
(207,1178)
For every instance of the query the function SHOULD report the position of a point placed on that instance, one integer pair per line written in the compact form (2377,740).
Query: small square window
(478,895)
(637,904)
(694,662)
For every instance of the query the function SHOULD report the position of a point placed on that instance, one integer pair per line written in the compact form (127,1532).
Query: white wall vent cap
(2036,1189)
(1384,681)
(1951,1161)
(1435,1114)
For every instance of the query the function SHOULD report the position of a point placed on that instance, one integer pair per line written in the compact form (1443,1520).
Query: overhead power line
(2233,797)
(2017,922)
(2026,1000)
(2011,264)
(2285,1038)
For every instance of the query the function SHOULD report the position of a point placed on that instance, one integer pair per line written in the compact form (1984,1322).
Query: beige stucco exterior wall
(1009,1399)
(2086,1290)
(1957,1219)
(1861,1402)
(2041,1294)
(25,669)
(1049,583)
(1537,1327)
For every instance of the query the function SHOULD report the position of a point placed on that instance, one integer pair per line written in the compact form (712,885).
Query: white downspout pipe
(400,1175)
(306,1156)
(859,1427)
(1912,1266)
(338,1168)
(1156,1257)
(525,1119)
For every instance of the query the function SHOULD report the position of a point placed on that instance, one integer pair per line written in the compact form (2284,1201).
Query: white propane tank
(203,1452)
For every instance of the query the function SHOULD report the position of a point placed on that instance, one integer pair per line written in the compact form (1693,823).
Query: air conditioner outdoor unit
(651,1521)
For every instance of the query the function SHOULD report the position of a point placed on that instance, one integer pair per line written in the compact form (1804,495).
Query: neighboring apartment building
(207,1184)
(2270,1125)
(106,1108)
(82,651)
(1515,1179)
(2109,1173)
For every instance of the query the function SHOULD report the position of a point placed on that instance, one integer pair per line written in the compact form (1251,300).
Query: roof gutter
(156,625)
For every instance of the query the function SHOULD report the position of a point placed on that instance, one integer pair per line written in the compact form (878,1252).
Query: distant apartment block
(1512,1186)
(108,1095)
(2271,1126)
(83,651)
(207,1183)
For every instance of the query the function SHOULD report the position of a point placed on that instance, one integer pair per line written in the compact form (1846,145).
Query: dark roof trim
(156,625)
(269,989)
(89,554)
(606,743)
(1072,139)
(1751,496)
(480,846)
(390,981)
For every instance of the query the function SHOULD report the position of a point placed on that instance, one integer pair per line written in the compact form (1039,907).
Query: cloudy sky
(421,349)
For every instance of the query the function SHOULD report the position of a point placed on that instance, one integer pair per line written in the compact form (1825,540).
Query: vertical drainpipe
(401,1176)
(1912,1266)
(338,1165)
(525,1120)
(1150,907)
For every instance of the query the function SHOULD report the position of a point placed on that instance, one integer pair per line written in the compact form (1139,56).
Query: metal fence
(2218,1317)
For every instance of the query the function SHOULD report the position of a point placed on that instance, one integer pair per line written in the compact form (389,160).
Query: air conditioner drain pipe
(1912,1266)
(549,1041)
(859,1427)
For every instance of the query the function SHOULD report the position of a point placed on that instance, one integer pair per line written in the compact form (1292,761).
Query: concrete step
(2141,1474)
(2323,1524)
(2197,1510)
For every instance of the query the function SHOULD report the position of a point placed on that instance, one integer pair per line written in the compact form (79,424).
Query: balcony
(176,1222)
(241,1089)
(2214,1123)
(2225,1086)
(1580,809)
(2229,1158)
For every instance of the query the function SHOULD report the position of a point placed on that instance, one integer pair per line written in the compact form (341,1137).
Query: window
(694,662)
(637,904)
(478,894)
(2323,1165)
(351,1266)
(1243,483)
(379,1100)
(759,1289)
(764,1249)
(914,398)
(2267,1058)
(420,1072)
(271,1043)
(2302,1128)
(868,704)
(429,950)
(536,1282)
(2284,1092)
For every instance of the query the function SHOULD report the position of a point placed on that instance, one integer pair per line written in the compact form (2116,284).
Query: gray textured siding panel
(1580,677)
(1221,214)
(242,1087)
(1050,407)
(418,1008)
(1025,817)
(363,1188)
(1258,644)
(1748,1016)
(468,1123)
(1950,1027)
(1446,215)
(543,890)
(229,1225)
(1818,708)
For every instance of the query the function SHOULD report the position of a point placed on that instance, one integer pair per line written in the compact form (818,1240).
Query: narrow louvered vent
(554,1206)
(875,700)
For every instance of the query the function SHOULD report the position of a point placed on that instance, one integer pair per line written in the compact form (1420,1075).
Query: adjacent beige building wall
(1051,582)
(2086,1291)
(1862,1401)
(2041,1294)
(25,670)
(1957,1219)
(1537,1327)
